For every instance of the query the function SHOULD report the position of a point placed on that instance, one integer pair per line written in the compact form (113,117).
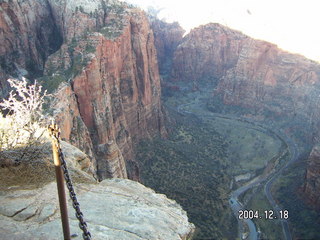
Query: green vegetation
(253,149)
(78,51)
(204,152)
(6,66)
(112,28)
(270,229)
(90,48)
(79,48)
(51,83)
(248,147)
(190,167)
(81,9)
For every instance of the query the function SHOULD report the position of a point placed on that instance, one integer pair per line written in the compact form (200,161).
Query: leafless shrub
(22,124)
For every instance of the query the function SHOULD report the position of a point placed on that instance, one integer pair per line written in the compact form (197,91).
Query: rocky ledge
(113,208)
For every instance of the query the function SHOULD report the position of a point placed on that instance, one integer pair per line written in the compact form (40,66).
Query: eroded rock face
(116,94)
(207,52)
(250,73)
(73,128)
(266,78)
(114,162)
(28,35)
(312,183)
(109,66)
(113,209)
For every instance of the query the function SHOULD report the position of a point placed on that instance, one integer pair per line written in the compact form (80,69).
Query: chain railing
(63,173)
(79,215)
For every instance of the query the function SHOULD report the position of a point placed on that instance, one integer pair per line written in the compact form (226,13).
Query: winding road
(268,180)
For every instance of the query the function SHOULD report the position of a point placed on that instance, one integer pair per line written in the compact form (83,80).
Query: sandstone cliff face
(74,130)
(28,34)
(108,62)
(117,92)
(207,52)
(113,209)
(312,183)
(266,78)
(251,73)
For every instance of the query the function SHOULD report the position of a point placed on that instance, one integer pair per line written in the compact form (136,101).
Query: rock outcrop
(114,163)
(312,182)
(207,52)
(113,209)
(32,167)
(269,80)
(108,63)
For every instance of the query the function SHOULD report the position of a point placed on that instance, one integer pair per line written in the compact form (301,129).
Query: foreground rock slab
(113,209)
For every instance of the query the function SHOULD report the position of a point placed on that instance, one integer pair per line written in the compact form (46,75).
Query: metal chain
(79,215)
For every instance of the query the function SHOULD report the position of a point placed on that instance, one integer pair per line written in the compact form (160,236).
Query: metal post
(54,131)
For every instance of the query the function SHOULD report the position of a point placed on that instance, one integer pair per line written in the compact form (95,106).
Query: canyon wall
(247,72)
(28,35)
(206,52)
(104,79)
(99,60)
(268,83)
(117,87)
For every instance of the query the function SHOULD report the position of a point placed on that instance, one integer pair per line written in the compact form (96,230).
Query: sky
(291,24)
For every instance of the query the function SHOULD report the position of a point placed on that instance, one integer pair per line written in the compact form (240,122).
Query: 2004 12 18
(266,214)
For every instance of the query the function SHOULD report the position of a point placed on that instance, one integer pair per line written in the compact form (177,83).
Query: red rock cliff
(28,34)
(207,52)
(118,93)
(250,73)
(111,95)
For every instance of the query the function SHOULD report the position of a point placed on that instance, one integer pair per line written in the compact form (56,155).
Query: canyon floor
(209,154)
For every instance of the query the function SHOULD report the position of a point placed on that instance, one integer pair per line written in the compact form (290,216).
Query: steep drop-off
(113,209)
(28,34)
(111,95)
(266,82)
(118,90)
